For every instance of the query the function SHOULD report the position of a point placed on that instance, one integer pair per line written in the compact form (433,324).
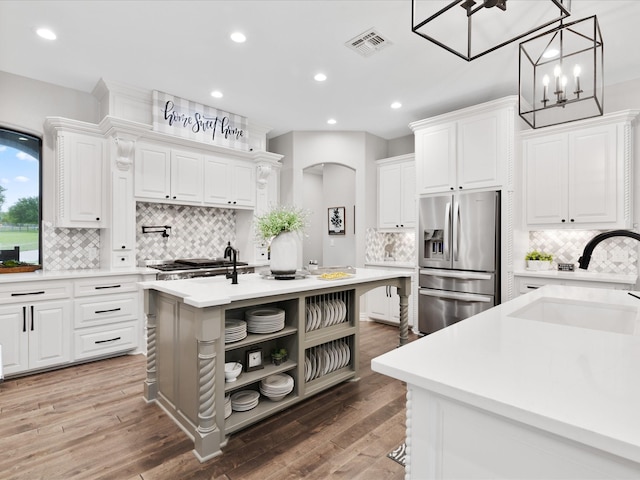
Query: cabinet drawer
(109,309)
(106,285)
(97,341)
(34,291)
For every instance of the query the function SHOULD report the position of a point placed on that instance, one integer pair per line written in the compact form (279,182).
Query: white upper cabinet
(579,176)
(396,193)
(466,149)
(229,183)
(163,173)
(80,180)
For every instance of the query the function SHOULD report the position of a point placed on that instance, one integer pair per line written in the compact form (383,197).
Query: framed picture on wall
(336,221)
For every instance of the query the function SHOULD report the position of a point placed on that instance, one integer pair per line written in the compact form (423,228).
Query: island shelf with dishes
(196,328)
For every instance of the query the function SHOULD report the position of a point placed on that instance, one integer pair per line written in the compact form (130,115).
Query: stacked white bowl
(276,387)
(244,400)
(264,320)
(227,405)
(231,371)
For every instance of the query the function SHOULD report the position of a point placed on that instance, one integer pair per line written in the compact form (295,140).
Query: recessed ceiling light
(396,105)
(331,121)
(216,94)
(46,33)
(238,37)
(320,77)
(550,53)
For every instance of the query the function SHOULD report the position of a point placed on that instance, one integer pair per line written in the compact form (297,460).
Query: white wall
(314,235)
(338,191)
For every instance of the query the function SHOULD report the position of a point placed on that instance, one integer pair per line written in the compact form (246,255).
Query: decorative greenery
(281,219)
(536,255)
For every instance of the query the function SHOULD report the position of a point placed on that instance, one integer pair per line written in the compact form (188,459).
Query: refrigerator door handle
(463,297)
(456,230)
(460,275)
(447,231)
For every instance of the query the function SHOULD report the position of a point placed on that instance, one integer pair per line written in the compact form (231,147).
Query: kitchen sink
(582,314)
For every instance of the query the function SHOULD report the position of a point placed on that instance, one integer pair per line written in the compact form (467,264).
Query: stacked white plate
(264,320)
(276,387)
(325,359)
(227,406)
(234,330)
(244,400)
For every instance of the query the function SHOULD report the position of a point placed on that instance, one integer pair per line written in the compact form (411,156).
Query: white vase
(284,253)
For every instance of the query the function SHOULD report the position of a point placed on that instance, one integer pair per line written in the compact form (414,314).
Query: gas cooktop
(194,264)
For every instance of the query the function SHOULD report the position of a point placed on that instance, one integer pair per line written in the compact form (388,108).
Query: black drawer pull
(106,341)
(24,319)
(27,293)
(532,287)
(32,318)
(110,310)
(108,286)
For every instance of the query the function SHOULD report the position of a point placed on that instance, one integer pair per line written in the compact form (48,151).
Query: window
(20,196)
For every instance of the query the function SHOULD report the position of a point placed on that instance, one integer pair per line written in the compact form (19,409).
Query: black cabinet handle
(24,319)
(122,259)
(27,293)
(174,197)
(107,341)
(123,246)
(572,220)
(98,219)
(563,220)
(107,286)
(110,310)
(166,196)
(32,318)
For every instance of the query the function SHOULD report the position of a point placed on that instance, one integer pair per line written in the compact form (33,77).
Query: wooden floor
(91,422)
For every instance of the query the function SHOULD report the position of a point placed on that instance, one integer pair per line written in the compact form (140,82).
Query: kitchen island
(186,349)
(543,386)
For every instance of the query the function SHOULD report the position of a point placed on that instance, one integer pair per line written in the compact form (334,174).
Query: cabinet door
(390,195)
(244,191)
(217,172)
(49,334)
(186,176)
(123,219)
(436,158)
(408,195)
(481,150)
(153,172)
(81,167)
(378,303)
(546,180)
(14,339)
(592,175)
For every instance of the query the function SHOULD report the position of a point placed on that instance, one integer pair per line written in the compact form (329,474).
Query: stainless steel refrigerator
(459,257)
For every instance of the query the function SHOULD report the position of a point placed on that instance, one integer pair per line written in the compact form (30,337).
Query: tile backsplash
(614,255)
(392,246)
(70,248)
(196,232)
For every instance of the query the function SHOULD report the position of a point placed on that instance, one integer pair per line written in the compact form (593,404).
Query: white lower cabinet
(383,303)
(526,284)
(35,335)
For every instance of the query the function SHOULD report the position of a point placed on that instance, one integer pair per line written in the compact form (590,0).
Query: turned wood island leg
(404,290)
(207,439)
(151,383)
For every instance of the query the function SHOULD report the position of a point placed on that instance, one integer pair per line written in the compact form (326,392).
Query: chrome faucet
(232,253)
(588,249)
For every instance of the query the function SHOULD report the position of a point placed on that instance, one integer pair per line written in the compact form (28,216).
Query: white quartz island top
(212,291)
(579,383)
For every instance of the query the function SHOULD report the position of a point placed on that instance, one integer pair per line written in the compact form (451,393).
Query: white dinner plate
(317,316)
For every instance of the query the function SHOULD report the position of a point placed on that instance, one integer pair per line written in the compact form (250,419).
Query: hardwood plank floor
(91,422)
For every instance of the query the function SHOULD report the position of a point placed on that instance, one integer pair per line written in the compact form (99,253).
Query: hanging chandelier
(472,28)
(561,74)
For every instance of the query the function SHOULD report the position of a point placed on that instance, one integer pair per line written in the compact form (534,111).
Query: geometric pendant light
(561,74)
(472,28)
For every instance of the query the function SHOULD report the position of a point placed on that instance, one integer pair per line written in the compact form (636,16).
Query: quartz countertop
(391,264)
(579,275)
(211,291)
(72,274)
(578,383)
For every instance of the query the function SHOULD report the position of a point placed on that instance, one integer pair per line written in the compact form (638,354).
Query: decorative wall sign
(336,221)
(187,119)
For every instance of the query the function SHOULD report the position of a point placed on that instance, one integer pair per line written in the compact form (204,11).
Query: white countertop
(576,382)
(211,291)
(579,275)
(392,264)
(72,274)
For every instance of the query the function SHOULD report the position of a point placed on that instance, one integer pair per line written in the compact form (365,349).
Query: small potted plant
(538,260)
(281,227)
(279,355)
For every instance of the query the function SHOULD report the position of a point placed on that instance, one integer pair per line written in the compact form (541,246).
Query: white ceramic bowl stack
(276,387)
(264,320)
(244,400)
(227,406)
(234,330)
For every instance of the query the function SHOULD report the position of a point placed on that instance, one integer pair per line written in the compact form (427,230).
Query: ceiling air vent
(367,43)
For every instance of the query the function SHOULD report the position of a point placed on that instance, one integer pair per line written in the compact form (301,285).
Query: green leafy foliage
(281,219)
(536,255)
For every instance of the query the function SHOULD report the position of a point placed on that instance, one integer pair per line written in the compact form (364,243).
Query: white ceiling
(183,48)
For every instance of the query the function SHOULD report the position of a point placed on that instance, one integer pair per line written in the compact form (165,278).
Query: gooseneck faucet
(232,254)
(588,249)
